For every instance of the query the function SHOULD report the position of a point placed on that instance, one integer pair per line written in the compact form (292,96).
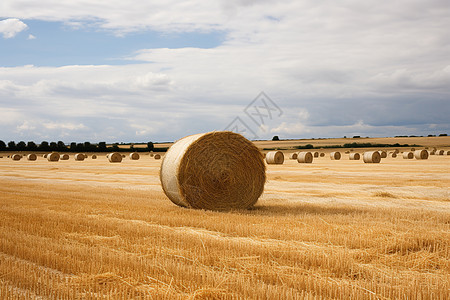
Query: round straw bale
(94,156)
(354,156)
(322,154)
(216,170)
(134,156)
(157,156)
(79,157)
(439,152)
(421,154)
(372,157)
(53,156)
(45,155)
(432,152)
(16,157)
(31,156)
(347,152)
(396,151)
(336,155)
(448,152)
(305,157)
(413,149)
(114,157)
(394,154)
(383,154)
(64,157)
(408,155)
(293,155)
(316,154)
(151,154)
(275,157)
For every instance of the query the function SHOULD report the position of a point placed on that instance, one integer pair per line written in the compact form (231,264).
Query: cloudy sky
(138,71)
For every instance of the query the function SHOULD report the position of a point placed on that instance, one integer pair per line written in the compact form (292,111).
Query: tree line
(74,147)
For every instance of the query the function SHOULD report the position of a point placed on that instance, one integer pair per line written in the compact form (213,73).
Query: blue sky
(151,71)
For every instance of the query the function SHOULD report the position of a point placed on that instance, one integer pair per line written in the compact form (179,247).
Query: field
(327,230)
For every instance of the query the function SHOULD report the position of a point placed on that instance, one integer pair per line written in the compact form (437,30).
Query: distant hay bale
(45,155)
(16,157)
(64,157)
(123,155)
(336,155)
(432,152)
(216,171)
(408,155)
(79,157)
(151,154)
(157,156)
(134,156)
(53,156)
(394,154)
(383,154)
(114,157)
(31,156)
(275,158)
(347,152)
(305,157)
(421,154)
(354,156)
(322,154)
(413,149)
(439,152)
(316,154)
(448,152)
(94,156)
(396,151)
(372,157)
(293,155)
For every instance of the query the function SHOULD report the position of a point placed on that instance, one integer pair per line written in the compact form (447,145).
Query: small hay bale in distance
(316,154)
(439,152)
(275,158)
(157,156)
(448,152)
(432,152)
(79,157)
(53,156)
(64,157)
(94,156)
(372,157)
(408,155)
(16,157)
(114,157)
(354,156)
(134,156)
(336,155)
(383,154)
(305,157)
(322,154)
(394,154)
(31,157)
(216,171)
(421,154)
(293,155)
(45,155)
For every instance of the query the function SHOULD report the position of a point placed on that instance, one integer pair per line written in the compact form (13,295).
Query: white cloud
(66,126)
(9,28)
(31,37)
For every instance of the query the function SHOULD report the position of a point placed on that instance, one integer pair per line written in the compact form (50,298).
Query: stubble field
(331,229)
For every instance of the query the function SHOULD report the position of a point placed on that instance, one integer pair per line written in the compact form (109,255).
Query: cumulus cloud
(9,28)
(31,37)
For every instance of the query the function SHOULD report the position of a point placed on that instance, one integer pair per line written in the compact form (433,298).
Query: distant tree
(115,146)
(102,146)
(44,146)
(88,146)
(80,147)
(61,146)
(12,145)
(31,146)
(309,146)
(275,138)
(53,146)
(443,134)
(21,146)
(356,136)
(2,145)
(73,147)
(430,135)
(345,136)
(150,146)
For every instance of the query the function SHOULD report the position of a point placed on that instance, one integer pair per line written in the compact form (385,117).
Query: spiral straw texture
(293,155)
(53,156)
(79,157)
(305,157)
(421,154)
(372,157)
(31,156)
(216,171)
(275,157)
(64,157)
(408,155)
(335,155)
(354,156)
(114,157)
(134,156)
(16,157)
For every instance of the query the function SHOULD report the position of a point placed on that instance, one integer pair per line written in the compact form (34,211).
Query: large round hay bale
(275,157)
(439,152)
(64,157)
(316,154)
(293,155)
(421,154)
(372,157)
(94,156)
(336,155)
(322,154)
(134,156)
(157,156)
(216,170)
(53,156)
(79,157)
(16,157)
(114,157)
(408,155)
(31,156)
(305,157)
(383,154)
(354,156)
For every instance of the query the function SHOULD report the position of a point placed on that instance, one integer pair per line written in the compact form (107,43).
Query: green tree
(31,146)
(44,146)
(2,145)
(12,145)
(61,146)
(73,147)
(53,146)
(150,146)
(21,146)
(275,138)
(102,146)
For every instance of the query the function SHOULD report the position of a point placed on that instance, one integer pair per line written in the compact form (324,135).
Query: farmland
(331,229)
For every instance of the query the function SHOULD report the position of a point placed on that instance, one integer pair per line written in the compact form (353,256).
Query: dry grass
(331,229)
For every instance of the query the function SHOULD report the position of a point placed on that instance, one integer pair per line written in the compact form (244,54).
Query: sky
(121,71)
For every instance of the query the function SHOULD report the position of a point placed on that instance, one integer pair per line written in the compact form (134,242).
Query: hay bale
(64,157)
(134,156)
(408,155)
(157,156)
(336,155)
(305,157)
(439,152)
(322,154)
(45,155)
(396,151)
(394,154)
(316,154)
(94,156)
(383,154)
(421,154)
(16,157)
(432,152)
(293,155)
(216,170)
(448,152)
(53,156)
(79,157)
(123,155)
(32,157)
(372,157)
(275,158)
(114,157)
(151,154)
(347,152)
(354,156)
(413,149)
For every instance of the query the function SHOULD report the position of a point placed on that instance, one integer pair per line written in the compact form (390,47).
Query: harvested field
(331,229)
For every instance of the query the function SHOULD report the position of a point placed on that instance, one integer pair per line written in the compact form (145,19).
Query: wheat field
(327,230)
